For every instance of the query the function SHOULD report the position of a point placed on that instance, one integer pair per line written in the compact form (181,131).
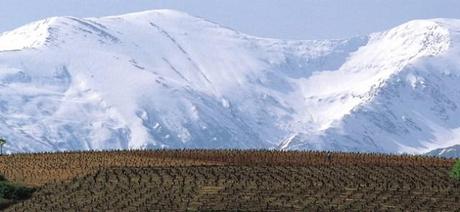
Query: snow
(165,79)
(448,152)
(30,36)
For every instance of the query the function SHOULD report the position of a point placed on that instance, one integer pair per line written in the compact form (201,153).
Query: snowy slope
(164,79)
(400,92)
(448,152)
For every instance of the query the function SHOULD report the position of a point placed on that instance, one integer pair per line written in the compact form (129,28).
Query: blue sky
(288,19)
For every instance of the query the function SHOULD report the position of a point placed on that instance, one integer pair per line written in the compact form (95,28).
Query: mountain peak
(158,12)
(31,35)
(55,31)
(419,37)
(169,16)
(51,31)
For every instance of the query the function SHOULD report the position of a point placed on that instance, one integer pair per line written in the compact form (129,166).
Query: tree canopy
(456,170)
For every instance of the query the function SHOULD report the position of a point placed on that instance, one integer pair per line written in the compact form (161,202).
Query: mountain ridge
(448,152)
(165,79)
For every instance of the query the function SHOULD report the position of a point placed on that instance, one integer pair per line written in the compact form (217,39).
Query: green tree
(455,173)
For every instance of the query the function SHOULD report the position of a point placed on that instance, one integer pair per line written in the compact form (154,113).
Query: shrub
(20,193)
(11,193)
(14,192)
(456,170)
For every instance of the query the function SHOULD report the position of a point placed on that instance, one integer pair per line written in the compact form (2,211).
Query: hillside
(232,180)
(165,79)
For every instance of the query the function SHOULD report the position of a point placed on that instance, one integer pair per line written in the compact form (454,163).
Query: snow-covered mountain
(165,79)
(448,152)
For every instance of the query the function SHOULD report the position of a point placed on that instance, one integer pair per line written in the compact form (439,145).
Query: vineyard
(199,180)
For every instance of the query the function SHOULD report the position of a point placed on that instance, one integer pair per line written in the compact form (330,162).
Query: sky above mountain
(293,19)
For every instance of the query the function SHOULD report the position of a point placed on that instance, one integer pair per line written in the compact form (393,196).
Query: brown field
(232,180)
(39,169)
